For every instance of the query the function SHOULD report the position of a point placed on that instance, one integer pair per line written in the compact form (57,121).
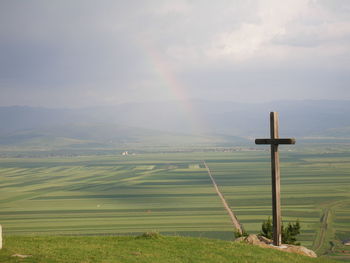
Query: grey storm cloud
(84,53)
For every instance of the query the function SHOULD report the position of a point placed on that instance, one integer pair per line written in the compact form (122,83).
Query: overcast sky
(87,53)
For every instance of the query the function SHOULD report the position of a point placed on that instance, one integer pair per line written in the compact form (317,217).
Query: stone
(21,256)
(253,240)
(300,250)
(268,243)
(265,240)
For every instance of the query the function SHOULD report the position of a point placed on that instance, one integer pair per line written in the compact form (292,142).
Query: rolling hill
(201,122)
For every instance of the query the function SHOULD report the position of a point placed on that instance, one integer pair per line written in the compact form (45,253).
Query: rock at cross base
(21,256)
(267,243)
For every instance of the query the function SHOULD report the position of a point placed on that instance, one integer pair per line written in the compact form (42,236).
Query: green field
(171,193)
(97,249)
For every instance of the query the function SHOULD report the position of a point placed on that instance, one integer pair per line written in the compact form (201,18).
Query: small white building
(125,153)
(346,242)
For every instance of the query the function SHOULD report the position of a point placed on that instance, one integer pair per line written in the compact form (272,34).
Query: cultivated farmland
(171,193)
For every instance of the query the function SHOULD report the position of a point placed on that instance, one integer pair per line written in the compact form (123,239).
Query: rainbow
(174,87)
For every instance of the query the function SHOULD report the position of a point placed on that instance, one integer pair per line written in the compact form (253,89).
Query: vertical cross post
(274,141)
(276,181)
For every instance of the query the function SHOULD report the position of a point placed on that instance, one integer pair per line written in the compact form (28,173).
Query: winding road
(233,218)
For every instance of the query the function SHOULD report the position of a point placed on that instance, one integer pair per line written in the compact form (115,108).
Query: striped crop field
(311,184)
(110,195)
(171,193)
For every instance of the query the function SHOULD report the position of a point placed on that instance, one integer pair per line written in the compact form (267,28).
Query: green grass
(140,249)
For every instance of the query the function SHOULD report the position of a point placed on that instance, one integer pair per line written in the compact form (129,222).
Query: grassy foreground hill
(139,249)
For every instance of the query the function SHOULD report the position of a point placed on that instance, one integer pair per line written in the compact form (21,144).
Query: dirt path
(323,230)
(320,239)
(233,218)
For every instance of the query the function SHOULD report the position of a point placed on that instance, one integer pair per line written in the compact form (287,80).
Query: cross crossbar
(275,141)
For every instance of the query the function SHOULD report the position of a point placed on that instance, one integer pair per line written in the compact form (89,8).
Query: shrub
(289,233)
(238,234)
(266,229)
(150,235)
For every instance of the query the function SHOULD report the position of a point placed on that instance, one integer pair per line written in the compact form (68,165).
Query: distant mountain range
(171,122)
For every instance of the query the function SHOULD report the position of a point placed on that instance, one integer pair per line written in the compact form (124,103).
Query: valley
(171,193)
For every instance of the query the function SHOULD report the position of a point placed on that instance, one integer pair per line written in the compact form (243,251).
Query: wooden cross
(274,141)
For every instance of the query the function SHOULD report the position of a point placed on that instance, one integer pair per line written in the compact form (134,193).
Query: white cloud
(105,47)
(280,31)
